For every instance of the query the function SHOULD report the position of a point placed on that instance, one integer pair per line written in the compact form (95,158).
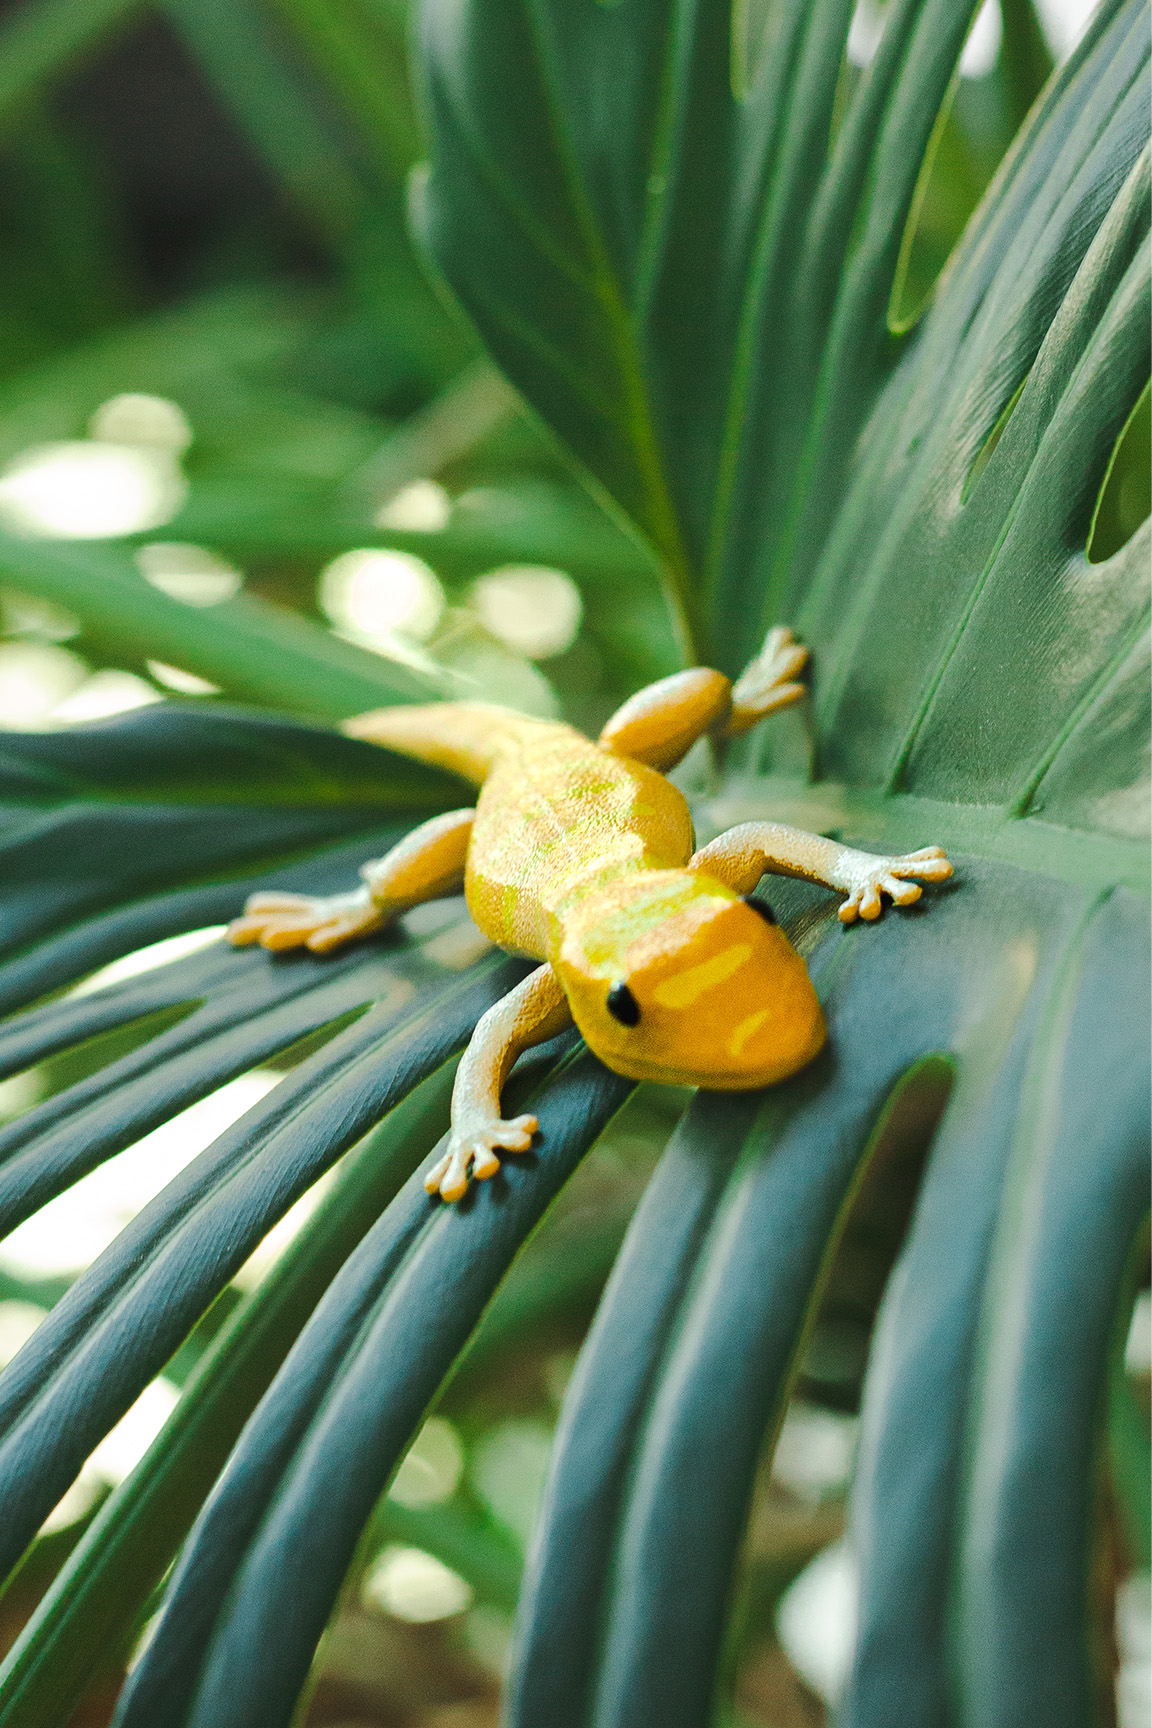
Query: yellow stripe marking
(745,1031)
(684,988)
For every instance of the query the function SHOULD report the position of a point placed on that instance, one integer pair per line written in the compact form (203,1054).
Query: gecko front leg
(531,1014)
(866,878)
(426,864)
(741,856)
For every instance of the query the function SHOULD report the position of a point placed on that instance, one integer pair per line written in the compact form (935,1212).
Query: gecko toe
(281,933)
(243,932)
(454,1182)
(436,1175)
(266,903)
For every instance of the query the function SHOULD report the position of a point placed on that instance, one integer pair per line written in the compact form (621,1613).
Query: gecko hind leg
(769,682)
(660,724)
(425,865)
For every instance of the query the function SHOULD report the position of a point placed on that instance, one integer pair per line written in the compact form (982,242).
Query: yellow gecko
(581,855)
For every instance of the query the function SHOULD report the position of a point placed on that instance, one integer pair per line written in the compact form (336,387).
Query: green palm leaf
(976,680)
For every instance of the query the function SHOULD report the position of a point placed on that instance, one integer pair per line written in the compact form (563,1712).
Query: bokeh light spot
(815,1451)
(90,491)
(183,683)
(414,1586)
(106,692)
(1062,21)
(190,574)
(983,44)
(1134,1648)
(151,422)
(123,1447)
(374,596)
(980,49)
(431,1469)
(69,1232)
(28,615)
(508,1471)
(18,1321)
(117,1454)
(1138,1348)
(816,1620)
(19,1092)
(35,677)
(535,610)
(281,1236)
(423,507)
(160,953)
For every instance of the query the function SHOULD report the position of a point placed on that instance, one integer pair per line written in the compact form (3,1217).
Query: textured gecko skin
(581,855)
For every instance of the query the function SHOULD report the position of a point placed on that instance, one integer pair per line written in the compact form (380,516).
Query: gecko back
(555,811)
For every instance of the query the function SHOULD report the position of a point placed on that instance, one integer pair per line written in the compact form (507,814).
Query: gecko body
(581,856)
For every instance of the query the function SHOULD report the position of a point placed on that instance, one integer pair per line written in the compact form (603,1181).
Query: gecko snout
(708,993)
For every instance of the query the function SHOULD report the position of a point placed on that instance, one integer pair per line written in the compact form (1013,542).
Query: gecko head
(672,977)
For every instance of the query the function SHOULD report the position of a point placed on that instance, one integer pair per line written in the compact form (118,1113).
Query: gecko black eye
(762,907)
(623,1006)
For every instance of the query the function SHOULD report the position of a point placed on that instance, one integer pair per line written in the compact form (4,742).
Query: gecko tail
(467,738)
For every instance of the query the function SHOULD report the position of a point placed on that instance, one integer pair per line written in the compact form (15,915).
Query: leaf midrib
(663,522)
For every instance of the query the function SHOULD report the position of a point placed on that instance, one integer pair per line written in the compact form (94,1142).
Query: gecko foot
(898,877)
(769,681)
(472,1154)
(303,921)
